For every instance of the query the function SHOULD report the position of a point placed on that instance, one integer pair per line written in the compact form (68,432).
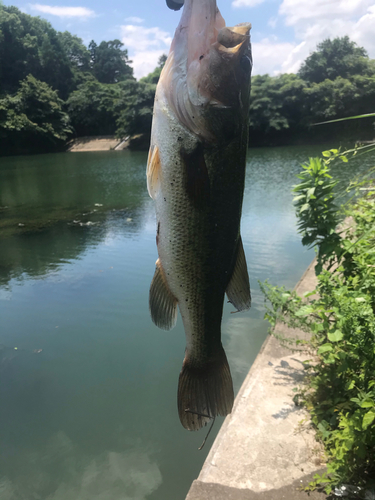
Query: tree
(29,45)
(136,105)
(34,116)
(109,62)
(92,108)
(335,58)
(76,52)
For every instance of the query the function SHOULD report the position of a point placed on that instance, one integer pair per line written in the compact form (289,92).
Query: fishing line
(209,430)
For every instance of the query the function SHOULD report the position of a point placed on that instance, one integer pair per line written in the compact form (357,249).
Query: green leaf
(325,348)
(304,311)
(368,419)
(349,385)
(335,336)
(367,404)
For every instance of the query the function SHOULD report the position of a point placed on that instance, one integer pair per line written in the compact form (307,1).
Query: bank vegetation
(339,317)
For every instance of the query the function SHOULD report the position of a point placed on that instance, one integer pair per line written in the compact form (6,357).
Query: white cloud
(61,11)
(327,19)
(146,61)
(145,46)
(246,3)
(297,11)
(272,22)
(363,33)
(312,24)
(140,38)
(134,19)
(267,55)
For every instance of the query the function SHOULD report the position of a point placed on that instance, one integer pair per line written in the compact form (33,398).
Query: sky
(284,32)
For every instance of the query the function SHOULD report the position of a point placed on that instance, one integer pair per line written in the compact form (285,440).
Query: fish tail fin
(204,391)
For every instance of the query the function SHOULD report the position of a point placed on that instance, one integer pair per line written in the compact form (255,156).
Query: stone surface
(98,143)
(266,447)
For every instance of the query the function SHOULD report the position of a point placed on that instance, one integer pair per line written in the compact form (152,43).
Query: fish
(195,175)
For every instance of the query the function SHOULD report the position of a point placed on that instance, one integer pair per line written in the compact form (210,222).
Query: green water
(87,383)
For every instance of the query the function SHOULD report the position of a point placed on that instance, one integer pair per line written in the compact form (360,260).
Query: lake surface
(88,384)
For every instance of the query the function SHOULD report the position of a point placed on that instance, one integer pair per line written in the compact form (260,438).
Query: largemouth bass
(196,174)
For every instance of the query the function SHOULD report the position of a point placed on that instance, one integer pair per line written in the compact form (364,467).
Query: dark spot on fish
(171,183)
(197,181)
(157,234)
(201,57)
(165,199)
(187,300)
(179,139)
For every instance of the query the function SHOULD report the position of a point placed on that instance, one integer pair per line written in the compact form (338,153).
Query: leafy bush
(340,390)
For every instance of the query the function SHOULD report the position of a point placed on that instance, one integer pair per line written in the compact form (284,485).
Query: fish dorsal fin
(238,290)
(153,171)
(163,304)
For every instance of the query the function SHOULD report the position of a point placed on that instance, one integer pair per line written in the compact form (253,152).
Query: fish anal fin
(163,304)
(153,171)
(204,391)
(238,289)
(197,181)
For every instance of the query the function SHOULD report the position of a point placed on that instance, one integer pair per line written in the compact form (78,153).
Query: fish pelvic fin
(238,289)
(163,304)
(153,171)
(204,391)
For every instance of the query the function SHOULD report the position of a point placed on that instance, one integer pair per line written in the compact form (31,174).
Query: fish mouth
(209,65)
(201,26)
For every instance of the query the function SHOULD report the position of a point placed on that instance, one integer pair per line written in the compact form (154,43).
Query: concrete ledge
(200,491)
(266,447)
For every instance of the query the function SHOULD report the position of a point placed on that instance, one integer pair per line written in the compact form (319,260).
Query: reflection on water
(53,207)
(87,383)
(111,475)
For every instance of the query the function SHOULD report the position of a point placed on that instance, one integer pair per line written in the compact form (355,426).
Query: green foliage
(33,54)
(337,80)
(340,390)
(109,62)
(29,45)
(77,54)
(92,108)
(136,106)
(34,115)
(316,210)
(333,59)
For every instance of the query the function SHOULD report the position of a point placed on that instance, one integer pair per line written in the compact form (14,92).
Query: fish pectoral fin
(163,304)
(238,289)
(153,171)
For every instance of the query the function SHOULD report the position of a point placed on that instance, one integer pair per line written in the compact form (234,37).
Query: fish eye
(245,64)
